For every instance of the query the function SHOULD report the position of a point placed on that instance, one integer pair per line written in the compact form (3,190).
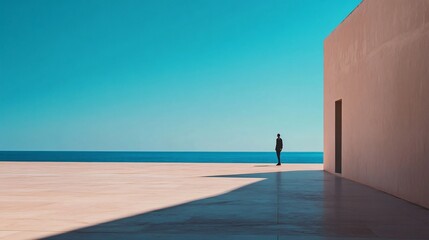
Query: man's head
(278,134)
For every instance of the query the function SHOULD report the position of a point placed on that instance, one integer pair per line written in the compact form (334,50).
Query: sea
(173,157)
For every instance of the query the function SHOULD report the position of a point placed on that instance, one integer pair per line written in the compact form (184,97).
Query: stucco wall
(377,62)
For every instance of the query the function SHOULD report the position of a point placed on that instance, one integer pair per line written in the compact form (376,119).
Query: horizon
(155,151)
(164,76)
(161,156)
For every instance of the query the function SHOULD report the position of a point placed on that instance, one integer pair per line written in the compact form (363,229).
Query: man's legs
(278,157)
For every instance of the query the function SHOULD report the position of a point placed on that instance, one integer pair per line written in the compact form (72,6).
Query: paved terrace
(56,201)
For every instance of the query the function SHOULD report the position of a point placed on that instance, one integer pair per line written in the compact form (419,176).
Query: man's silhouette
(279,147)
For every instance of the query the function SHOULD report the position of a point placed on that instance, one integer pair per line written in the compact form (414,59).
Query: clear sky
(200,75)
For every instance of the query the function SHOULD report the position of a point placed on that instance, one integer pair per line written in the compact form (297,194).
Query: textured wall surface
(377,62)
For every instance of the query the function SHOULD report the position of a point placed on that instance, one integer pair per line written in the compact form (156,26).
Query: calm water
(190,157)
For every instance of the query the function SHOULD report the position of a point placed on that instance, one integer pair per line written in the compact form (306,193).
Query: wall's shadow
(284,205)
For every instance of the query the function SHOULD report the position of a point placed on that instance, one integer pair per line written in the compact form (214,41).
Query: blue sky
(164,75)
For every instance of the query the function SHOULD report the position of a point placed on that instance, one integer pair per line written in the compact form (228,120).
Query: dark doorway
(338,134)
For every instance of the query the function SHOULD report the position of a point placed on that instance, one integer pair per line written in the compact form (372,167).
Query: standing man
(279,147)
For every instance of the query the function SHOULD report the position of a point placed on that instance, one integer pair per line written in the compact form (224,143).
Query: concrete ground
(56,201)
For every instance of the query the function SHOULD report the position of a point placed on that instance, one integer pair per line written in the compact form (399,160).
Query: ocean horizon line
(157,151)
(167,156)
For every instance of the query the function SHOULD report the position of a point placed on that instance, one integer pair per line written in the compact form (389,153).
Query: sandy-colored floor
(175,201)
(41,199)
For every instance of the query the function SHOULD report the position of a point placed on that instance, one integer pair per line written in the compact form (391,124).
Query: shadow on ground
(283,205)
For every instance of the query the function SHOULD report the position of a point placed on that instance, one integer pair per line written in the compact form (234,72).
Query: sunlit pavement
(196,201)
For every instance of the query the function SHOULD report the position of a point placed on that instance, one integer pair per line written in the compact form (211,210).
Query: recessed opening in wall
(338,136)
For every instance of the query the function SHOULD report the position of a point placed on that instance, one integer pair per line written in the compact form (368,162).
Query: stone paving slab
(57,201)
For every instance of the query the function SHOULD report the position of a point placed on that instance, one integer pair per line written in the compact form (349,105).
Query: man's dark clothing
(279,147)
(278,157)
(279,144)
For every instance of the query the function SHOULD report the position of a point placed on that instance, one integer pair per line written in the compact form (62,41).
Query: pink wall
(377,62)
